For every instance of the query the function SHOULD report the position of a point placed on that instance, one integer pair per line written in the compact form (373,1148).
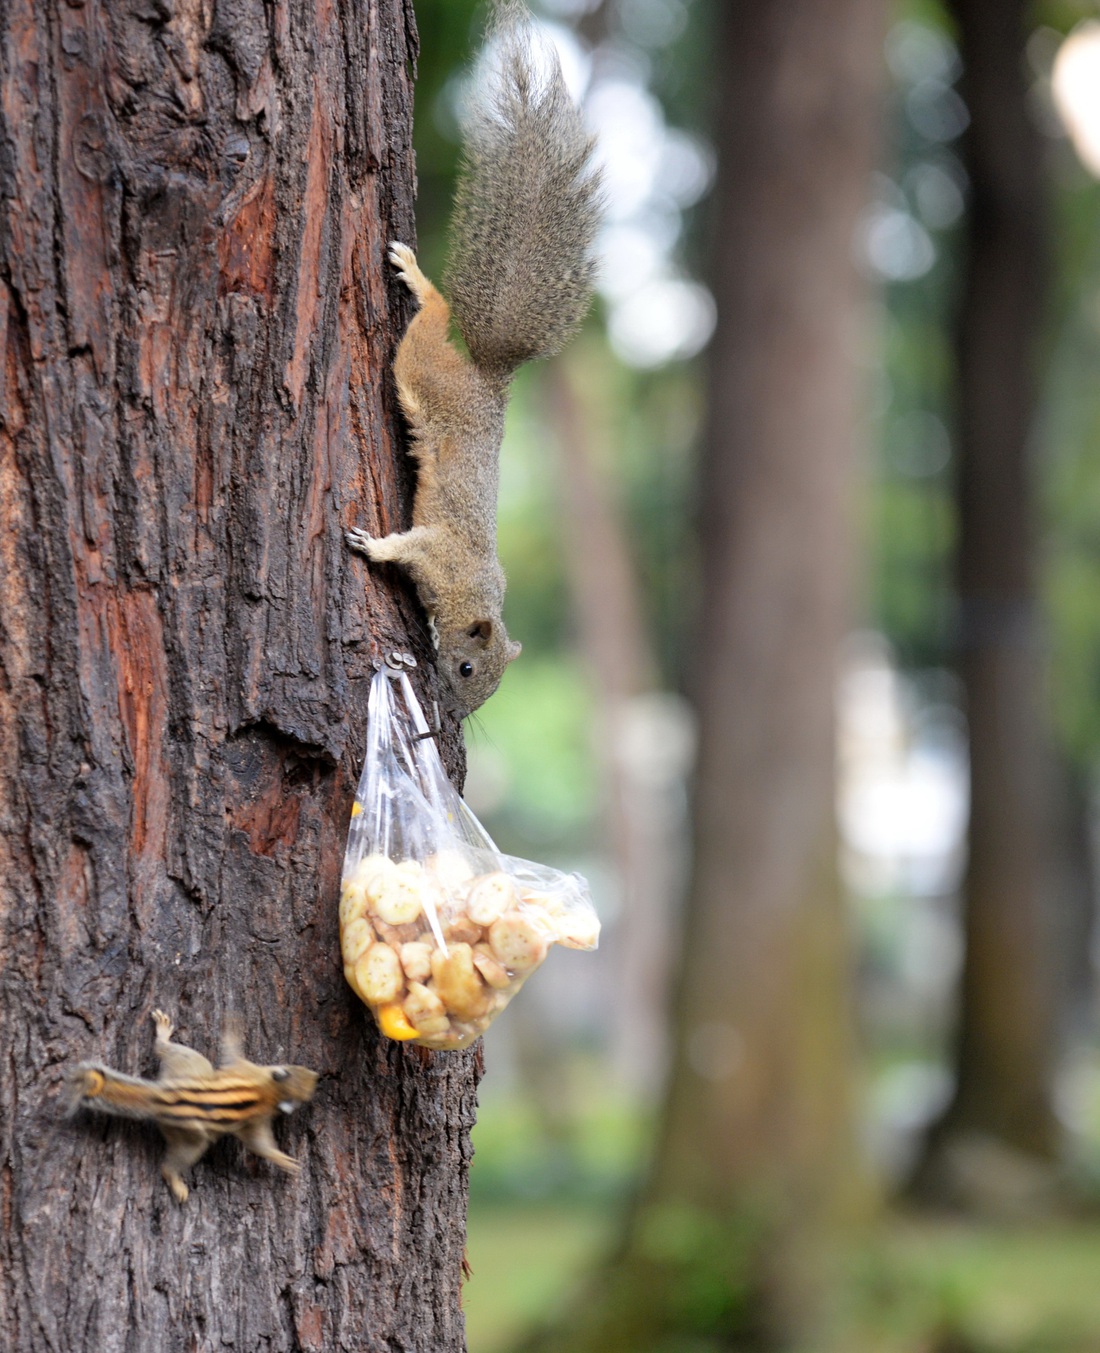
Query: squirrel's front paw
(359,540)
(378,549)
(404,261)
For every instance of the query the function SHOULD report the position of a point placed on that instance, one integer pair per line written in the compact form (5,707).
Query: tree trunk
(195,331)
(1008,1007)
(754,1164)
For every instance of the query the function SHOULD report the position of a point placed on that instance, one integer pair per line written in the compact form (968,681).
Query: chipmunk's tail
(94,1086)
(527,208)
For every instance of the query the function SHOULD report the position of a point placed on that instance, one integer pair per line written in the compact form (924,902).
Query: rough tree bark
(1008,1005)
(754,1169)
(195,329)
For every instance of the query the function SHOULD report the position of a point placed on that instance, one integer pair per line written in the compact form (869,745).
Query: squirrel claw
(165,1027)
(359,540)
(401,256)
(404,261)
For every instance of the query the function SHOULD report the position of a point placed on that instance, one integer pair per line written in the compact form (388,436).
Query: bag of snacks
(438,929)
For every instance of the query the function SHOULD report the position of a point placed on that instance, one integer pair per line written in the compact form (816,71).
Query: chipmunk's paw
(180,1191)
(164,1026)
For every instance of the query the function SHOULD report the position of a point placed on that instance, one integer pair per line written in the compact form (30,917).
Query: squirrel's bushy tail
(526,211)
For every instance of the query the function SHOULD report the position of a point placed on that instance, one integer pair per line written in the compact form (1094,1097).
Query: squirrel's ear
(514,650)
(481,631)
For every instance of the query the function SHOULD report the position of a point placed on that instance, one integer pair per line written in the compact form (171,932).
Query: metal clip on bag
(438,929)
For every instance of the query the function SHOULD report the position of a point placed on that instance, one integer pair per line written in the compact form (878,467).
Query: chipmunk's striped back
(217,1103)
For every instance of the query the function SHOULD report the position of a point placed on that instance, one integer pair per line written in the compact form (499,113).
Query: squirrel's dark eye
(465,669)
(280,1074)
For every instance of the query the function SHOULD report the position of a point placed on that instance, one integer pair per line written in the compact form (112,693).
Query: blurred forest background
(803,545)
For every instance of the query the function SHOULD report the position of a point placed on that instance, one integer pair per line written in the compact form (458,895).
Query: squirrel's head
(472,659)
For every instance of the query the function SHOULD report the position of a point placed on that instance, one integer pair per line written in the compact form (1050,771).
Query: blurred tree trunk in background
(635,729)
(195,330)
(1074,882)
(1004,1059)
(755,1164)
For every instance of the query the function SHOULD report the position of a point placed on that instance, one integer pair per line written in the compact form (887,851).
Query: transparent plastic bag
(438,929)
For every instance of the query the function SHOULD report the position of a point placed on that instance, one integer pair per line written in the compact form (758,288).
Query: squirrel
(519,276)
(193,1104)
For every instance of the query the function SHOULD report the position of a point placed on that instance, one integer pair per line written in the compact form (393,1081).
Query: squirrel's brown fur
(520,279)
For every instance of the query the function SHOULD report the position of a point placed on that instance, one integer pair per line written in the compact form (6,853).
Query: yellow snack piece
(368,868)
(396,898)
(425,1011)
(458,983)
(490,968)
(411,870)
(416,959)
(541,919)
(353,902)
(573,928)
(355,937)
(354,892)
(392,1022)
(489,898)
(517,942)
(375,880)
(378,976)
(578,932)
(461,930)
(451,869)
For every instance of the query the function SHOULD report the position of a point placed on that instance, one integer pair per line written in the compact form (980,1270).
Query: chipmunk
(193,1104)
(520,278)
